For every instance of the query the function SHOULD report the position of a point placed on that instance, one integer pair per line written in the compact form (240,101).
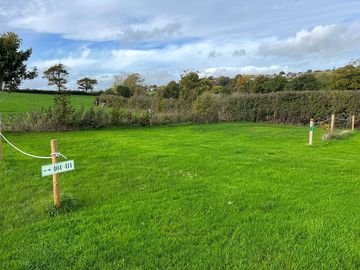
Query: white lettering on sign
(60,167)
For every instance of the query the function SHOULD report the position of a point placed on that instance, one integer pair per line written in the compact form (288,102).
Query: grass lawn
(219,196)
(26,102)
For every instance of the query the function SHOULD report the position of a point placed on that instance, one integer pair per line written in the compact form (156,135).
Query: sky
(161,39)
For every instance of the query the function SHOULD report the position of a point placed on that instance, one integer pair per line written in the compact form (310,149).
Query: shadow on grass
(68,204)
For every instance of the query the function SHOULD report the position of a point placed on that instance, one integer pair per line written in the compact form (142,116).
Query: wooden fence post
(332,125)
(353,122)
(56,177)
(311,132)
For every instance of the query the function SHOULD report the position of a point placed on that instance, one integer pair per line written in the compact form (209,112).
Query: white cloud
(253,70)
(141,20)
(72,61)
(214,38)
(91,21)
(322,40)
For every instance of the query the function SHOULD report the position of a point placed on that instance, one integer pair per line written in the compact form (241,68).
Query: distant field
(25,102)
(218,196)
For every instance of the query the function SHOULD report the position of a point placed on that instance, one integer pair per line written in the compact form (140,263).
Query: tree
(134,82)
(171,90)
(325,79)
(86,84)
(123,91)
(346,78)
(276,84)
(188,83)
(243,83)
(131,81)
(204,85)
(221,81)
(304,82)
(57,75)
(13,68)
(261,84)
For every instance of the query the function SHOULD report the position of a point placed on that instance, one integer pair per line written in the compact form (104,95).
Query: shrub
(206,108)
(112,100)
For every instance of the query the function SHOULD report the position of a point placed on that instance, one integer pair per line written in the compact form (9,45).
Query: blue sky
(160,39)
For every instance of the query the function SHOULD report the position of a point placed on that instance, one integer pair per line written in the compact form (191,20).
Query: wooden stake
(332,125)
(353,122)
(56,177)
(311,132)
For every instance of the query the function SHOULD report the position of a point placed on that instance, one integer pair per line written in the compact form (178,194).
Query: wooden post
(56,177)
(311,132)
(353,122)
(332,125)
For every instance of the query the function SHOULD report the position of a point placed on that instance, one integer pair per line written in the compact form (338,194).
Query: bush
(206,108)
(112,100)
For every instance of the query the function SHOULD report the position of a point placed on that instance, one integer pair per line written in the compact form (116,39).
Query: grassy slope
(197,197)
(25,102)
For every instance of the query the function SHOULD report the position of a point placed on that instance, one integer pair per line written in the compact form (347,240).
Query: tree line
(191,85)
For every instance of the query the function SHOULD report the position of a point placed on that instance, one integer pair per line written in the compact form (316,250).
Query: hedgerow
(279,107)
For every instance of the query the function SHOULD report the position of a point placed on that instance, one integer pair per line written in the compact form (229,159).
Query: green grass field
(26,102)
(217,196)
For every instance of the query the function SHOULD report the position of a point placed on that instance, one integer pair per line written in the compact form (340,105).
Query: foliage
(57,75)
(86,84)
(294,107)
(221,81)
(52,92)
(260,84)
(276,84)
(130,84)
(61,111)
(123,91)
(13,68)
(171,90)
(188,85)
(112,100)
(217,89)
(347,78)
(304,82)
(243,83)
(206,108)
(325,79)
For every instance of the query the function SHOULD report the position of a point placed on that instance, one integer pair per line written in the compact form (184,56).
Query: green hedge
(280,107)
(55,92)
(288,107)
(291,107)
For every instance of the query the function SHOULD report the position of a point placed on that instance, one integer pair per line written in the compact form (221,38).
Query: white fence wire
(31,155)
